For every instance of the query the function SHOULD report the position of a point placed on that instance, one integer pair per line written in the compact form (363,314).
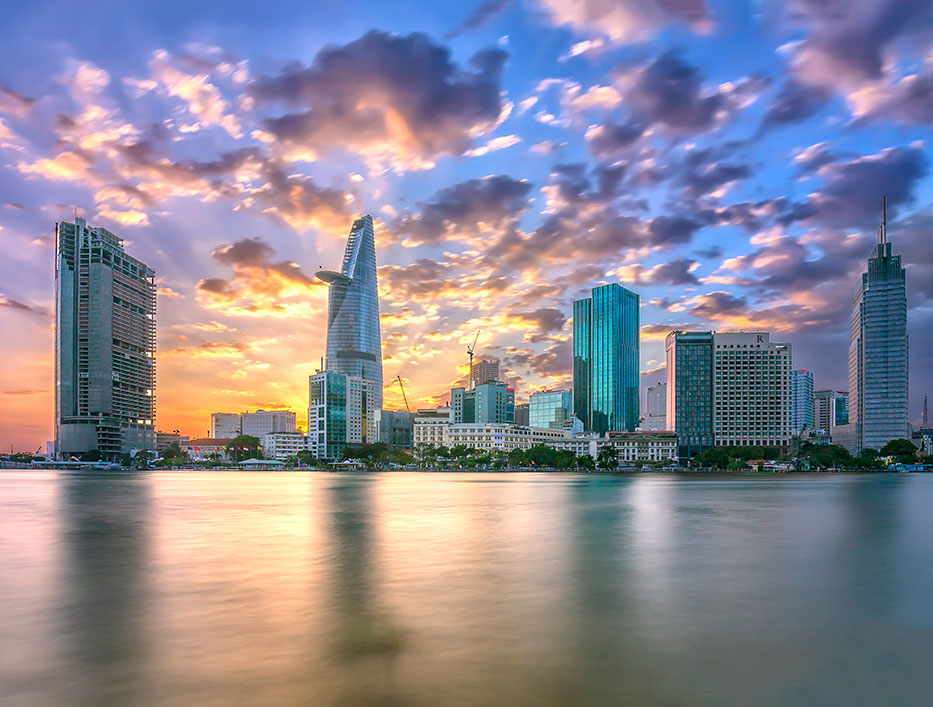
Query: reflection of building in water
(104,588)
(364,630)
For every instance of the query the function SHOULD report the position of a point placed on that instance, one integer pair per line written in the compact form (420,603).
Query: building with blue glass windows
(690,390)
(606,359)
(550,408)
(354,340)
(801,401)
(341,413)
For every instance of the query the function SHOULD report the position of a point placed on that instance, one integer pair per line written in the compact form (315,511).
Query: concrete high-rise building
(354,341)
(105,331)
(690,390)
(485,371)
(830,409)
(878,353)
(751,390)
(225,425)
(395,429)
(656,408)
(342,412)
(550,408)
(487,402)
(801,397)
(606,359)
(522,414)
(263,422)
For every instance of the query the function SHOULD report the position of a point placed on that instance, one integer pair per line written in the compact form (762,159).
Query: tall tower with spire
(878,350)
(354,339)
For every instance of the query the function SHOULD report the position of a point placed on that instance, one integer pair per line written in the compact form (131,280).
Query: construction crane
(470,350)
(404,397)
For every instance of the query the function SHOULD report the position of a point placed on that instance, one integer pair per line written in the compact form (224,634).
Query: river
(183,588)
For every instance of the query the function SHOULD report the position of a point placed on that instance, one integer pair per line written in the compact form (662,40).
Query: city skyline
(533,161)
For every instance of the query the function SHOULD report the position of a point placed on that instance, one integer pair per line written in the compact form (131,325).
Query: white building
(342,411)
(207,449)
(493,436)
(751,390)
(281,445)
(431,427)
(262,422)
(225,425)
(656,409)
(643,446)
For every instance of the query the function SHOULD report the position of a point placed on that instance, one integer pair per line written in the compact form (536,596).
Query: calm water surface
(465,589)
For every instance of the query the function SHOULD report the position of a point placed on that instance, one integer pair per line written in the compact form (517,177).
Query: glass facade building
(341,412)
(606,359)
(105,330)
(690,390)
(550,408)
(878,353)
(354,339)
(801,405)
(486,403)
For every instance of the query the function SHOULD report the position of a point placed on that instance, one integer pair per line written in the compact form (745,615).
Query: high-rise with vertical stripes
(606,359)
(105,329)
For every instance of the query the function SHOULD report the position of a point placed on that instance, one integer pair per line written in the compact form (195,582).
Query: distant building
(430,427)
(205,449)
(225,424)
(341,412)
(801,405)
(166,439)
(690,390)
(396,429)
(644,446)
(830,409)
(354,340)
(262,422)
(751,390)
(878,353)
(282,445)
(105,331)
(487,402)
(550,408)
(656,409)
(606,359)
(485,371)
(522,414)
(493,437)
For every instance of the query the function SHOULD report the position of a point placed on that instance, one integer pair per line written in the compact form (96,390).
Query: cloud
(23,307)
(395,99)
(795,102)
(674,272)
(301,203)
(611,139)
(545,319)
(15,103)
(553,363)
(479,17)
(627,20)
(466,208)
(259,287)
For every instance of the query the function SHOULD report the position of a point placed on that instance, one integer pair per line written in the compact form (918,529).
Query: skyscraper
(690,390)
(878,352)
(801,406)
(341,412)
(656,412)
(487,402)
(830,409)
(606,359)
(105,305)
(354,341)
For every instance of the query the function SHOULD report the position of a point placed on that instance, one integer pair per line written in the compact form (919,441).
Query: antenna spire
(883,236)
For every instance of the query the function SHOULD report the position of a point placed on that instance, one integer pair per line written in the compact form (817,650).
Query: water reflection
(105,589)
(465,589)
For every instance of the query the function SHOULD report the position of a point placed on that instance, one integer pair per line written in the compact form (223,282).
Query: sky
(724,159)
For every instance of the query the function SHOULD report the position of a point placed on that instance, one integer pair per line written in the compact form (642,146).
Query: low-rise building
(504,437)
(643,446)
(166,439)
(431,427)
(282,445)
(207,449)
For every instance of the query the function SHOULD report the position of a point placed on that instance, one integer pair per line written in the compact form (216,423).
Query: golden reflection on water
(464,589)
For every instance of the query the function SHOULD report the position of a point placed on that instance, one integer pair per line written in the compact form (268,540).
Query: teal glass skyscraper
(606,359)
(354,339)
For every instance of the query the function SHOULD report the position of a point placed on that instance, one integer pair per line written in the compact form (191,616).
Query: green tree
(305,458)
(901,449)
(585,461)
(244,447)
(93,455)
(516,458)
(608,457)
